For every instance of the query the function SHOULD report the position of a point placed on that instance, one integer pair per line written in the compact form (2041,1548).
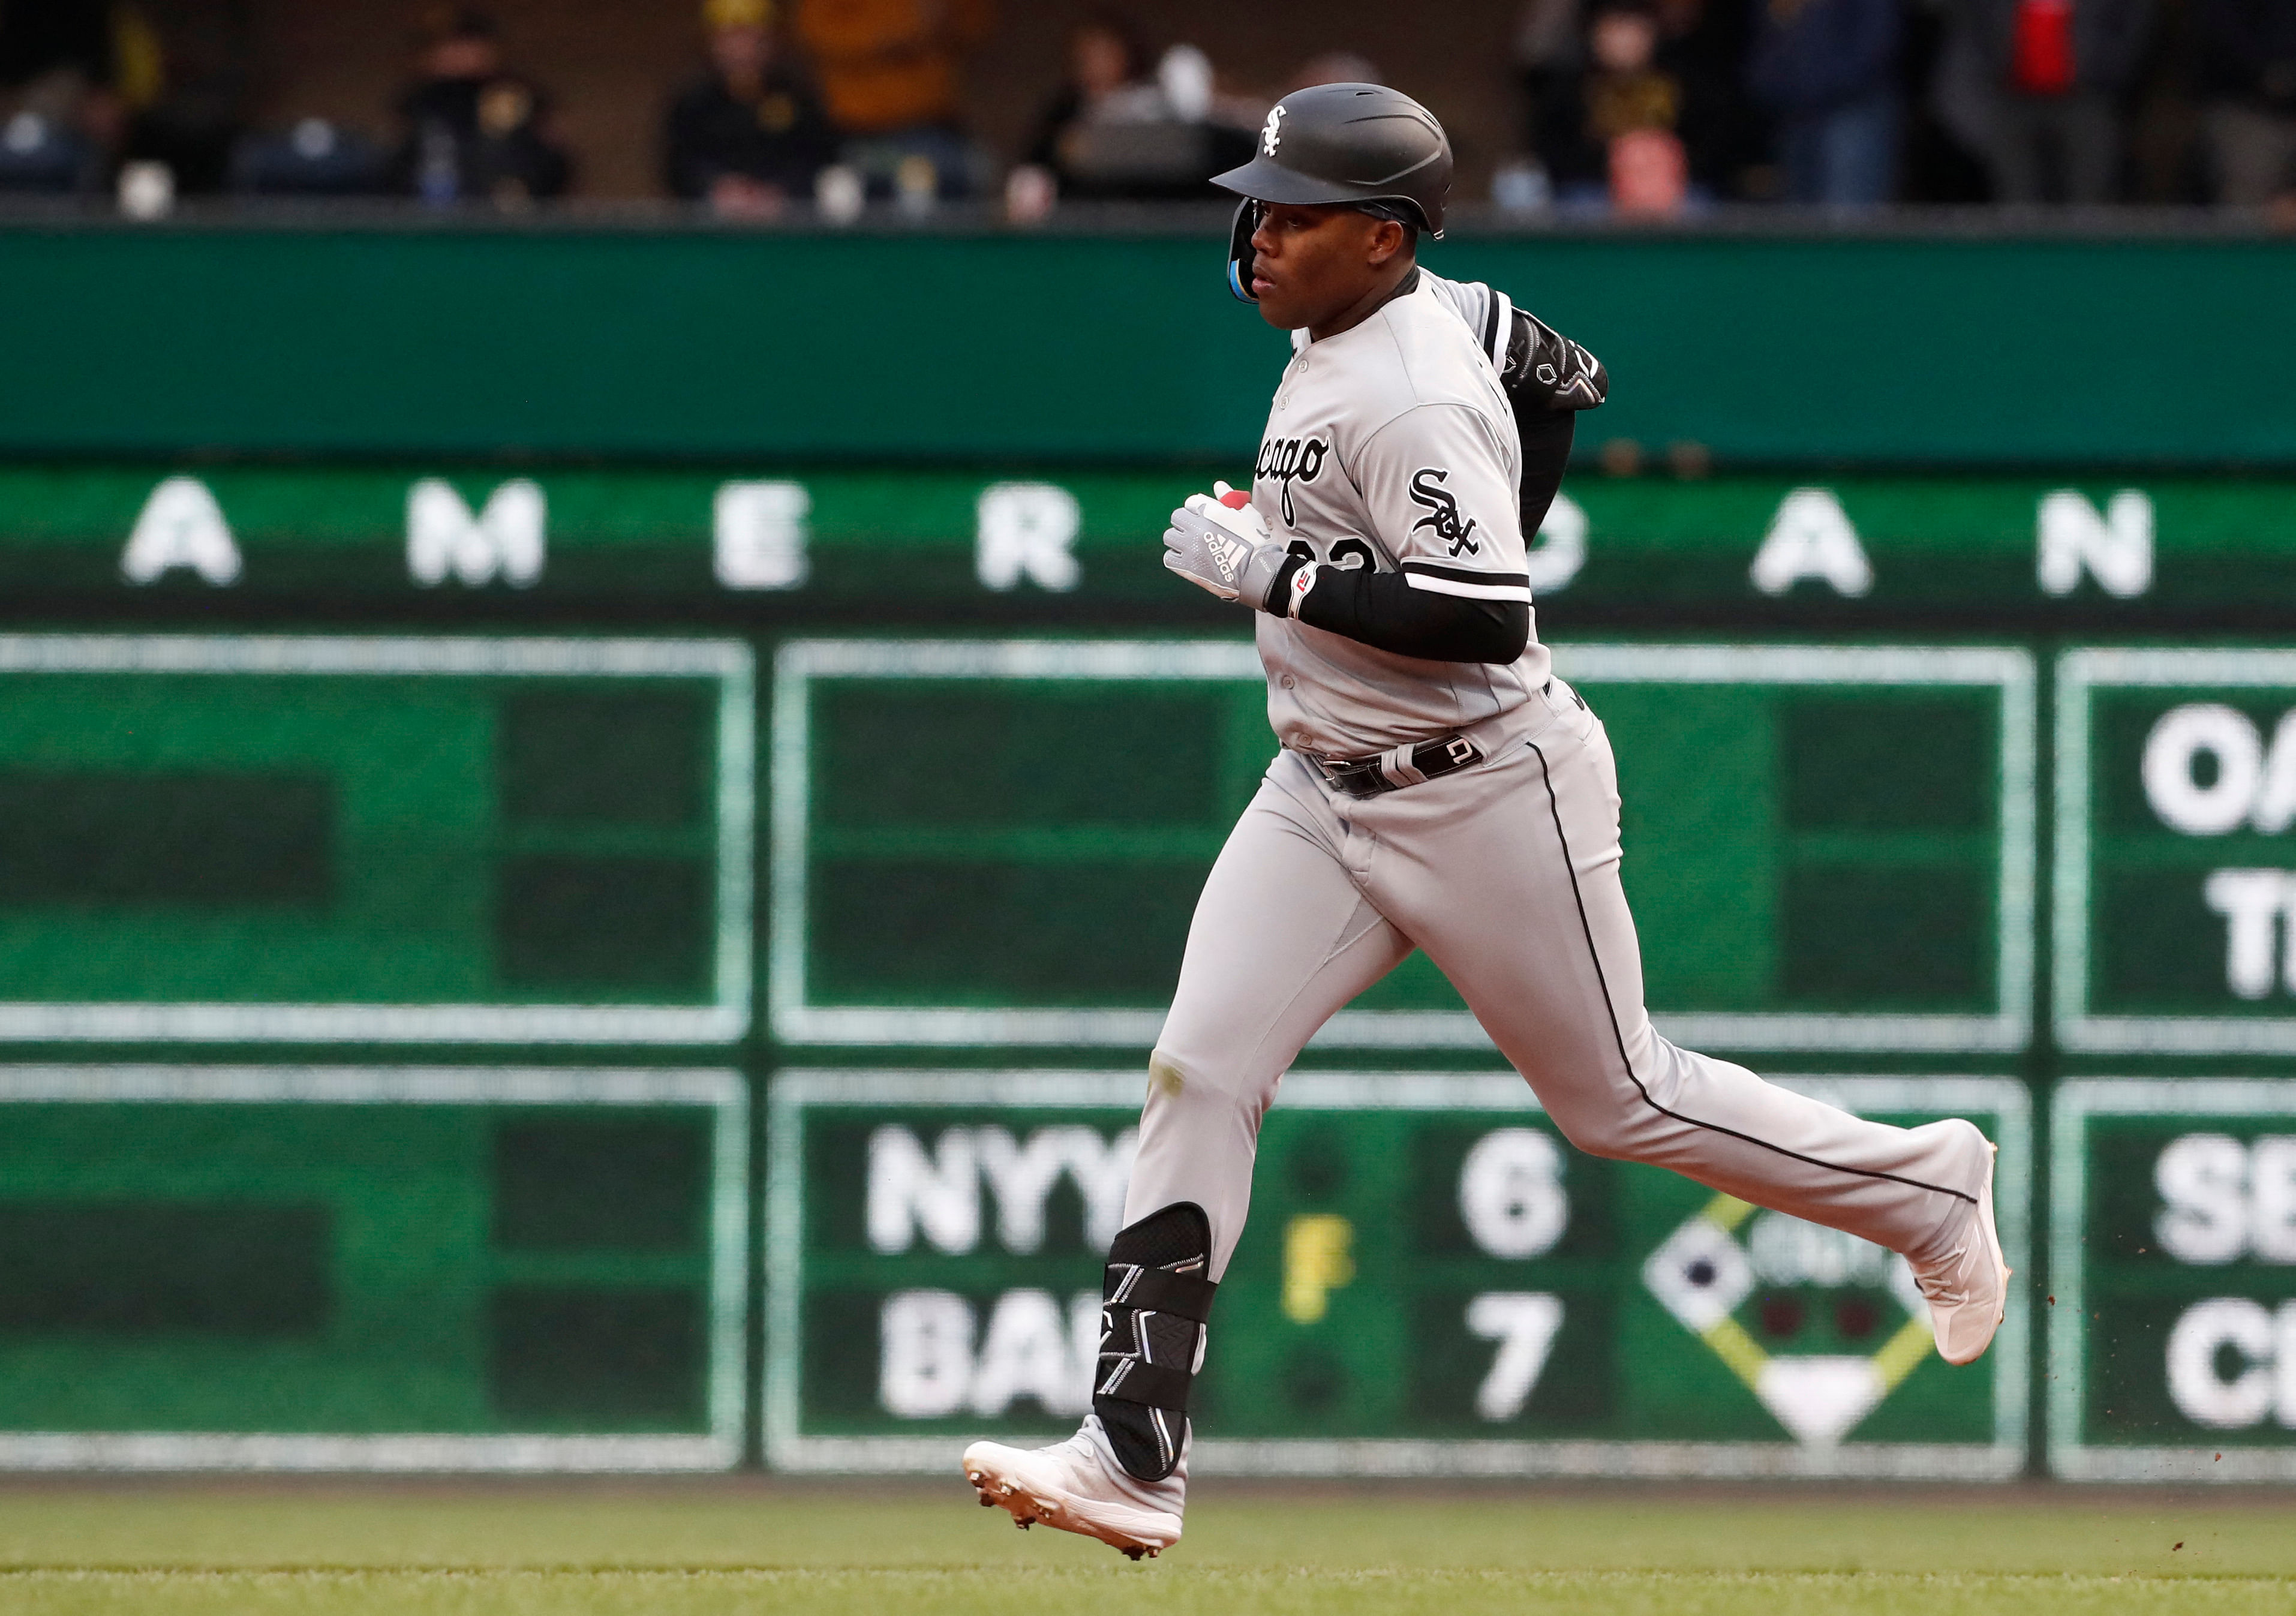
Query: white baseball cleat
(1968,1291)
(1073,1486)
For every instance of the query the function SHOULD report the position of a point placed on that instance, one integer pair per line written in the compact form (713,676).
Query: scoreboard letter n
(2115,548)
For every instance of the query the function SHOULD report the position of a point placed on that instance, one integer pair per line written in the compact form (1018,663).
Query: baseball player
(1438,789)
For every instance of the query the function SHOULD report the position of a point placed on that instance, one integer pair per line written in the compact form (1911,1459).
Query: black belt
(1392,770)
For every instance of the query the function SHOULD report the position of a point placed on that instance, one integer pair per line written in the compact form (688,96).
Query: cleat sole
(1029,1503)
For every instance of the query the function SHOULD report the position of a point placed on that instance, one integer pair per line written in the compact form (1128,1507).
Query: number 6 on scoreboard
(1523,1324)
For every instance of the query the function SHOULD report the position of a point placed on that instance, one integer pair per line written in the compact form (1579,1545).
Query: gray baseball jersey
(1390,446)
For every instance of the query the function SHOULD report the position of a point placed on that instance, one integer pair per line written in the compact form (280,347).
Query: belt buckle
(1353,776)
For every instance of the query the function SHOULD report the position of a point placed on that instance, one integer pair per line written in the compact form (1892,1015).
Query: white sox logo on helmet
(1271,135)
(1442,508)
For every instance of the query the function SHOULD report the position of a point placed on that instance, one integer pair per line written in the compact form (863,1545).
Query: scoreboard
(2176,794)
(386,1076)
(241,839)
(1433,1283)
(2172,1317)
(1801,878)
(387,1267)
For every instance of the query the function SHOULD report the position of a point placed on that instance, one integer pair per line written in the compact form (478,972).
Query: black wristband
(1278,603)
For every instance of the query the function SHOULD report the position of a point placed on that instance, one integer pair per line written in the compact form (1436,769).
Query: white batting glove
(1223,549)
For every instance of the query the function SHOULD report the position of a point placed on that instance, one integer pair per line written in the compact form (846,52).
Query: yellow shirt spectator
(889,64)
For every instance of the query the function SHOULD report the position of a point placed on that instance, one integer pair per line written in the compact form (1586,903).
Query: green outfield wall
(920,345)
(596,826)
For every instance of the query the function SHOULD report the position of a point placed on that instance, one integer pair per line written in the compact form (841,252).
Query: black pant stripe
(1555,808)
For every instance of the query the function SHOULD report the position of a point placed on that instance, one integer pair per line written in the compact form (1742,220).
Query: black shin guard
(1153,1305)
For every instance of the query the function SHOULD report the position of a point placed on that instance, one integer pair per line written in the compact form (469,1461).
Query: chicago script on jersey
(1289,460)
(1443,511)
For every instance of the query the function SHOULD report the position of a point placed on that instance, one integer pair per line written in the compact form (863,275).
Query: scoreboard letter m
(505,539)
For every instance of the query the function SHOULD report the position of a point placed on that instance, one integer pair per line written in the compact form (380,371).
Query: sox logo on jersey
(1443,511)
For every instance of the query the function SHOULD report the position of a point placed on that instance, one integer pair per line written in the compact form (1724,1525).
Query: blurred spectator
(314,156)
(39,154)
(55,56)
(890,73)
(748,134)
(1936,165)
(2166,164)
(1697,49)
(1829,70)
(1705,43)
(1612,133)
(1117,131)
(1549,55)
(1106,57)
(60,112)
(2034,86)
(185,80)
(475,131)
(2248,75)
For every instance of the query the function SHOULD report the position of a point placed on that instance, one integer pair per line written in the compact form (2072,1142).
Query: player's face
(1310,263)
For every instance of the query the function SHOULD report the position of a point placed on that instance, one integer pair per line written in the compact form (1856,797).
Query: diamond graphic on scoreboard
(1820,1399)
(1703,1273)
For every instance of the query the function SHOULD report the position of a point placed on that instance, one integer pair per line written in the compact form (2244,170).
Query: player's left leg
(1508,876)
(1282,938)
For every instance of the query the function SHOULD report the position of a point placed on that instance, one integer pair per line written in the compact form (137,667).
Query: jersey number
(1348,554)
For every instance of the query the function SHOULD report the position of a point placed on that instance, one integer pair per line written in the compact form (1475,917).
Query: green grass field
(691,1549)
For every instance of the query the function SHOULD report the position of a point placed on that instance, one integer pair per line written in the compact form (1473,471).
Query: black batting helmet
(1357,144)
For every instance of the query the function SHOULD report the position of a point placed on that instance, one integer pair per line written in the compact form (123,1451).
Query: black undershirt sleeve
(1382,611)
(1546,454)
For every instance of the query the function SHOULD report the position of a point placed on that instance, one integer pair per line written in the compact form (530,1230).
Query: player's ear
(1387,239)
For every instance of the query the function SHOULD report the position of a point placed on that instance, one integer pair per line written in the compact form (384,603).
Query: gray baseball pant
(1506,874)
